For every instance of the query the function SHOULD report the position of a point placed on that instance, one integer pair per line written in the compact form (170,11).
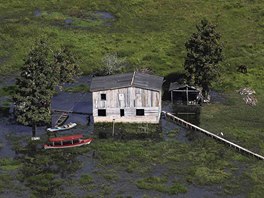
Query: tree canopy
(65,65)
(204,52)
(39,76)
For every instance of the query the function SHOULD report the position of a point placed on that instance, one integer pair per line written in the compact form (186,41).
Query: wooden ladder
(62,119)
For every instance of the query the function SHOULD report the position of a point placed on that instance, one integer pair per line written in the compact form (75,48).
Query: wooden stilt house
(131,97)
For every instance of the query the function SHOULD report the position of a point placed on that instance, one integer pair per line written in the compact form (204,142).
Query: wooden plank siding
(129,99)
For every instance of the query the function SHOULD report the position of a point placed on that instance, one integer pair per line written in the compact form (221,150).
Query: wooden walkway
(193,127)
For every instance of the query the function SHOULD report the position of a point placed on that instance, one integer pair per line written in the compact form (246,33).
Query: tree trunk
(205,93)
(50,112)
(34,129)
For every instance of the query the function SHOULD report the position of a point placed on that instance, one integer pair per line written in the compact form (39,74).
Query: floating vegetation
(86,180)
(8,164)
(8,90)
(159,184)
(206,176)
(173,133)
(78,88)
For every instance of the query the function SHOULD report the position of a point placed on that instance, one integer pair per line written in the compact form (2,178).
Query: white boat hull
(62,128)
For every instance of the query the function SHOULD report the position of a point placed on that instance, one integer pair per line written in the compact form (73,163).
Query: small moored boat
(62,128)
(67,142)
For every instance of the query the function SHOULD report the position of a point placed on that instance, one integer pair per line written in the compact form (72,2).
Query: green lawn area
(148,33)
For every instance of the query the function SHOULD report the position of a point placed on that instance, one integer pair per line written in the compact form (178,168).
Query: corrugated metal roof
(140,80)
(175,86)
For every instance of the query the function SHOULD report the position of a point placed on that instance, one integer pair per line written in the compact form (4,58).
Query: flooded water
(37,12)
(68,21)
(105,15)
(82,102)
(217,97)
(83,21)
(188,113)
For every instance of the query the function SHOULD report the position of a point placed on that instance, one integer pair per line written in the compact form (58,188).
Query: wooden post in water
(187,95)
(113,133)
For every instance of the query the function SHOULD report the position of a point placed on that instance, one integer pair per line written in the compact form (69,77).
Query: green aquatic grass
(239,122)
(256,177)
(8,164)
(5,181)
(159,184)
(173,133)
(204,175)
(202,162)
(87,182)
(110,175)
(7,91)
(79,88)
(86,179)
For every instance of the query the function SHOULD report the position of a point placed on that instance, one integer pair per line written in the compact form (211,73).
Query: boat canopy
(66,138)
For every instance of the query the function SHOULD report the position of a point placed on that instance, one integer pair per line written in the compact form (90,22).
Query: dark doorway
(122,112)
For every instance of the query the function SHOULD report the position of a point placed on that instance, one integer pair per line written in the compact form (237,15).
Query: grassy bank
(148,33)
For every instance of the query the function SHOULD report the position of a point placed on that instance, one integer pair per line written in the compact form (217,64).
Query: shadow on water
(190,113)
(128,131)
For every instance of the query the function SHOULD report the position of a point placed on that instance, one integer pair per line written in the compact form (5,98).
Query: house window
(122,112)
(103,96)
(140,112)
(101,112)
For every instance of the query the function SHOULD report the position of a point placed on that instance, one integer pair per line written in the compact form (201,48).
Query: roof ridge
(133,78)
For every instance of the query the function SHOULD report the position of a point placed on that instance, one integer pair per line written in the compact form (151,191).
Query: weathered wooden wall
(129,99)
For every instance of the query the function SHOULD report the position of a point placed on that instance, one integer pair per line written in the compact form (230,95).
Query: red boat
(67,142)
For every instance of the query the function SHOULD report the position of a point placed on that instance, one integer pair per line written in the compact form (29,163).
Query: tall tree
(39,76)
(204,52)
(35,87)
